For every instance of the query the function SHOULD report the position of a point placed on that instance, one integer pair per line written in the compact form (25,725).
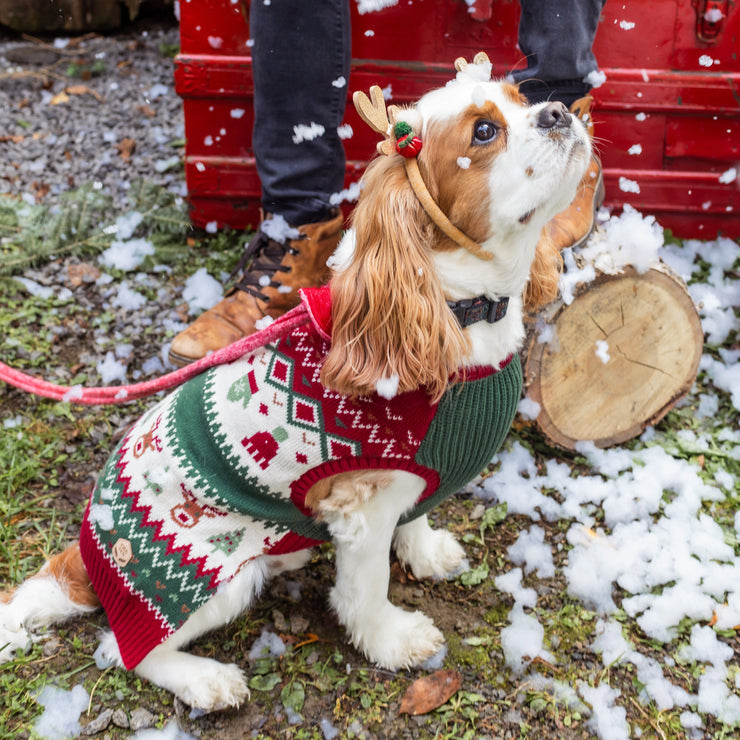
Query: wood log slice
(652,342)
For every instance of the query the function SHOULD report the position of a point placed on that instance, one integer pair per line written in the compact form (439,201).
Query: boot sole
(180,360)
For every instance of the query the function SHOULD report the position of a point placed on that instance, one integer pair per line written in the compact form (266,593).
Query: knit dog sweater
(216,474)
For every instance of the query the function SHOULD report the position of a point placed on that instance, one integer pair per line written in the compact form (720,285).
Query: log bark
(624,352)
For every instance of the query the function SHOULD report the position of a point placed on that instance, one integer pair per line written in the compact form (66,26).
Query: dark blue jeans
(301,55)
(300,64)
(556,36)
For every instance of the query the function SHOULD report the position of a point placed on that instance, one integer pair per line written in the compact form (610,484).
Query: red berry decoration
(407,144)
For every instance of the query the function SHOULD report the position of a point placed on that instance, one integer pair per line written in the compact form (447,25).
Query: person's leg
(557,39)
(301,65)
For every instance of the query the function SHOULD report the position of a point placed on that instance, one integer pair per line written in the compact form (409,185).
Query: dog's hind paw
(13,636)
(401,639)
(216,686)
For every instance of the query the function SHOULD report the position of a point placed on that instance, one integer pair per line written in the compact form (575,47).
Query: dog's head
(498,169)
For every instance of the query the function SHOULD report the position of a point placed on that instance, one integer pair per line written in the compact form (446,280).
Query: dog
(395,393)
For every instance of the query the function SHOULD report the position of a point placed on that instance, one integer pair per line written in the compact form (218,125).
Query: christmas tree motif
(243,389)
(226,542)
(263,446)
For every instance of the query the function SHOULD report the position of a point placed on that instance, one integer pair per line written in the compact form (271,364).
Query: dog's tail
(59,591)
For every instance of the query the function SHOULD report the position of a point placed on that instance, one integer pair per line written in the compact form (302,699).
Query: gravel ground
(90,108)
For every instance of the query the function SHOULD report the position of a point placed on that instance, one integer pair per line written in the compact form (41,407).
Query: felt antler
(399,137)
(372,110)
(461,64)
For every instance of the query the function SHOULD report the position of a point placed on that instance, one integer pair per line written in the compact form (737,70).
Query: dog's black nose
(554,115)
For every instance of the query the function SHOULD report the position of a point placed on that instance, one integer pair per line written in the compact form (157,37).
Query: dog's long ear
(390,318)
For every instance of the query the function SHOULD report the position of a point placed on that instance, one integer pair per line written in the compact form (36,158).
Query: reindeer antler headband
(400,138)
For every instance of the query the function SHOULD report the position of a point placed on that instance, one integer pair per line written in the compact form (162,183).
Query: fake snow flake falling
(387,387)
(372,6)
(628,186)
(302,132)
(595,79)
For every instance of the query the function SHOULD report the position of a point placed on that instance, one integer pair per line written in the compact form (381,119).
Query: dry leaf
(430,692)
(17,139)
(126,147)
(59,98)
(83,90)
(82,273)
(40,190)
(146,110)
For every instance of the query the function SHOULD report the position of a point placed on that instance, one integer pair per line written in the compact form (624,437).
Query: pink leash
(123,393)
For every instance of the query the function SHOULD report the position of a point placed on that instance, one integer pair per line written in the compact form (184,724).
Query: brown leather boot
(573,226)
(271,274)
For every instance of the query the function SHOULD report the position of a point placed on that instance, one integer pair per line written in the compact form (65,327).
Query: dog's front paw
(399,639)
(429,553)
(215,686)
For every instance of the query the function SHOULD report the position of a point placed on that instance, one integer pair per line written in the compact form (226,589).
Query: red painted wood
(667,118)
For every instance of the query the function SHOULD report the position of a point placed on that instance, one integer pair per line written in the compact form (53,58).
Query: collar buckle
(472,310)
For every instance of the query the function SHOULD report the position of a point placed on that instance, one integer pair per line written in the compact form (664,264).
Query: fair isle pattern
(216,474)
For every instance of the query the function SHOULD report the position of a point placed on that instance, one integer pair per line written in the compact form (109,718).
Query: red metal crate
(673,83)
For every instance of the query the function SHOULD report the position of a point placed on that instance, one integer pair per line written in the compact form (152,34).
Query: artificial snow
(528,409)
(34,289)
(372,6)
(345,131)
(303,132)
(278,229)
(61,717)
(387,387)
(628,186)
(595,79)
(641,541)
(602,350)
(328,730)
(608,721)
(111,369)
(201,291)
(171,731)
(267,645)
(126,254)
(436,661)
(348,195)
(128,299)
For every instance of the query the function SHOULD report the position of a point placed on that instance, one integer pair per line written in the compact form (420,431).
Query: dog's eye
(484,132)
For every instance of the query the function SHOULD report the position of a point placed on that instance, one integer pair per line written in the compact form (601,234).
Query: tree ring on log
(626,350)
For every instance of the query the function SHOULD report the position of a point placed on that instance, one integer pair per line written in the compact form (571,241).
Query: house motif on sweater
(217,473)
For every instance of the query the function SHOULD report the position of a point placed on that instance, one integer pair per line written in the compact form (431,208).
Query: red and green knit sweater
(216,474)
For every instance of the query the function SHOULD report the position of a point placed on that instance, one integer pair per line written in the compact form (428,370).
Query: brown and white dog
(498,169)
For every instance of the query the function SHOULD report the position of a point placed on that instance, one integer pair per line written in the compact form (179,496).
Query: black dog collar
(471,310)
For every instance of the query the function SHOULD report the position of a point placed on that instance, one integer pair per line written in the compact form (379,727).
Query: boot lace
(261,259)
